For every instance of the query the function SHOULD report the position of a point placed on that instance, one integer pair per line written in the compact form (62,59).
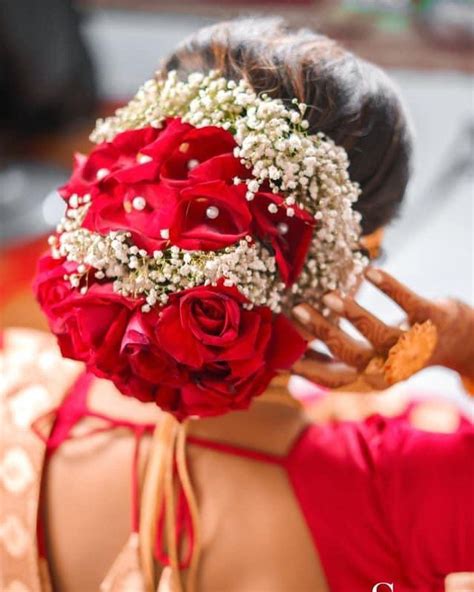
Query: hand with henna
(440,333)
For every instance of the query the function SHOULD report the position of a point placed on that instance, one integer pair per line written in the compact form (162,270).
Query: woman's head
(349,99)
(207,210)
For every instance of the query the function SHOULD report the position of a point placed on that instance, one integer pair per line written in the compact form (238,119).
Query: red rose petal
(193,229)
(291,248)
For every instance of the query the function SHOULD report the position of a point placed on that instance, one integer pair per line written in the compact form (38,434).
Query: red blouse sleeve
(386,502)
(427,482)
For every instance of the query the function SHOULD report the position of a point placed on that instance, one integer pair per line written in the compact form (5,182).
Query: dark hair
(350,100)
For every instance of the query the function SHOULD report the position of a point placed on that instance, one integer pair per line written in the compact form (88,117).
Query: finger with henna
(345,348)
(380,335)
(418,309)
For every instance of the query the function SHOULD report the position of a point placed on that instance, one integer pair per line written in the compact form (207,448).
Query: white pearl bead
(212,212)
(101,173)
(282,228)
(165,233)
(139,203)
(273,208)
(192,164)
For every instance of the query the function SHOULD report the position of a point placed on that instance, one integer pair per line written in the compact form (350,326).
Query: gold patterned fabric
(35,379)
(29,390)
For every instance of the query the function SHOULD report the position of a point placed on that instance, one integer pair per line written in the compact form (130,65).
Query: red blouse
(384,501)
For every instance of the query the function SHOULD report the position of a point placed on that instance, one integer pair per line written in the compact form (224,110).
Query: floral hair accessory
(203,213)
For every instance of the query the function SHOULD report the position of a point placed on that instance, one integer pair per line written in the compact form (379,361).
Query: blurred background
(63,63)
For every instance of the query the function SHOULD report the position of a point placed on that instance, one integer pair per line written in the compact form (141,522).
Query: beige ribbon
(168,448)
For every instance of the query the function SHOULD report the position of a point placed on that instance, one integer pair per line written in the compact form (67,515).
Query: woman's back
(274,493)
(240,500)
(86,509)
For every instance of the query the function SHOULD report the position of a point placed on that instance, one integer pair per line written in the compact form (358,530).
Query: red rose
(147,371)
(89,327)
(124,153)
(231,353)
(182,148)
(167,397)
(224,167)
(165,201)
(147,359)
(210,216)
(214,393)
(146,154)
(290,237)
(205,216)
(201,354)
(116,210)
(202,324)
(49,285)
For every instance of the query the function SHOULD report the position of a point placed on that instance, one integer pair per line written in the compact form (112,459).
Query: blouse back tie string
(167,461)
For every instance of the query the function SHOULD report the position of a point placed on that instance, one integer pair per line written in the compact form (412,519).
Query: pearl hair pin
(139,203)
(101,173)
(212,212)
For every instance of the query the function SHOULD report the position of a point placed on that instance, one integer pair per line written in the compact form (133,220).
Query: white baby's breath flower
(273,143)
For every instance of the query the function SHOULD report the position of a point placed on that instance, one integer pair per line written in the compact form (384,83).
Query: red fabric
(384,502)
(237,450)
(74,408)
(184,533)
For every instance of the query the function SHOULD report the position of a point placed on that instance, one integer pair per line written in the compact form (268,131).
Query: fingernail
(374,275)
(302,314)
(334,302)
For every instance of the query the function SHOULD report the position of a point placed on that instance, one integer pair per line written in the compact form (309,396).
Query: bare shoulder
(235,489)
(88,505)
(433,414)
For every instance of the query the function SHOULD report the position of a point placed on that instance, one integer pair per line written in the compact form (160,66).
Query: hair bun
(350,100)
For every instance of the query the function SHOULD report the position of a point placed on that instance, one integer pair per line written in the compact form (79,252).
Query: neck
(278,393)
(270,424)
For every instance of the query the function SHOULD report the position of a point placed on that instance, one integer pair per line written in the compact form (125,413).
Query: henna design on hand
(362,365)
